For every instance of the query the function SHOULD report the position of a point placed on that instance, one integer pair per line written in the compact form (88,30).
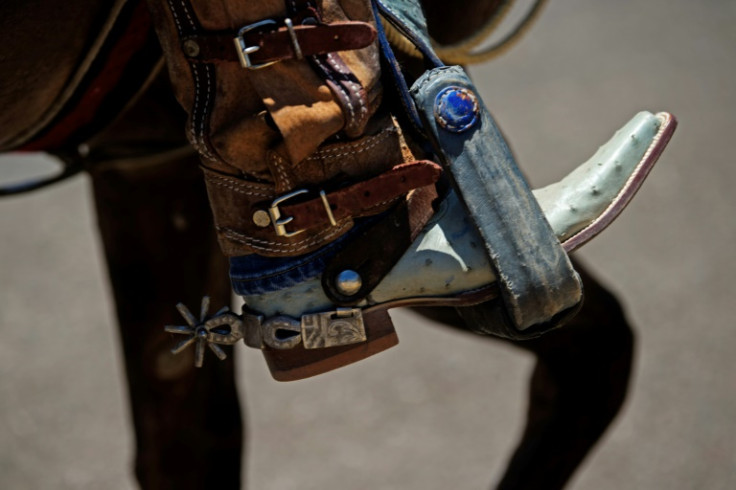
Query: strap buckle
(244,51)
(279,223)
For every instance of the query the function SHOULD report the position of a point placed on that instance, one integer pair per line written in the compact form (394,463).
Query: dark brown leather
(276,45)
(395,233)
(235,201)
(363,198)
(337,72)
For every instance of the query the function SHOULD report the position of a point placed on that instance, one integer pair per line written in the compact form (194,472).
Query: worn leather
(238,116)
(408,16)
(363,198)
(235,203)
(234,200)
(293,124)
(277,45)
(536,278)
(310,113)
(377,250)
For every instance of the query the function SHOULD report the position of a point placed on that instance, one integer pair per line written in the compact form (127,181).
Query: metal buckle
(244,51)
(280,223)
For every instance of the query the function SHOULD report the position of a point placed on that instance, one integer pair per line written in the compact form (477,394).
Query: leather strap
(402,224)
(244,222)
(537,281)
(278,45)
(363,198)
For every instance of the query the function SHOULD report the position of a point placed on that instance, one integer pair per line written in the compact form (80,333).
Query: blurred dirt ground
(444,409)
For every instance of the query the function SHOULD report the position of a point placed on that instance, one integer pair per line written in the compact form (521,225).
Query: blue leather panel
(536,279)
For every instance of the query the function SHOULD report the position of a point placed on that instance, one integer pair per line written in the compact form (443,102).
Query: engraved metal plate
(334,328)
(281,332)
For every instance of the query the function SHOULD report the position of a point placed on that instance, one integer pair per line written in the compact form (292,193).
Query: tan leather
(236,203)
(228,125)
(294,124)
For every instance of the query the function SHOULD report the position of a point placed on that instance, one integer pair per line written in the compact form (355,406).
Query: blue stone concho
(456,109)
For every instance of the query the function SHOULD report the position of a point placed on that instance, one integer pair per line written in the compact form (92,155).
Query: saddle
(347,178)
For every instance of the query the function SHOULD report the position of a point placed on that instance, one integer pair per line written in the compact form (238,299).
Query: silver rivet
(348,282)
(191,48)
(261,218)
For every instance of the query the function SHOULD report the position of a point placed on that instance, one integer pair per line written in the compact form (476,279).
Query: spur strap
(359,199)
(272,225)
(266,45)
(537,281)
(363,263)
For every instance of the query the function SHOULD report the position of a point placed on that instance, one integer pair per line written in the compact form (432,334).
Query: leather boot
(338,191)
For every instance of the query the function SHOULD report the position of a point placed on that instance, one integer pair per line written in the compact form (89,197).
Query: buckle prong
(294,41)
(331,217)
(280,223)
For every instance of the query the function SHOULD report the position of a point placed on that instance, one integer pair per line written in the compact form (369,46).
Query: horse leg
(577,387)
(160,247)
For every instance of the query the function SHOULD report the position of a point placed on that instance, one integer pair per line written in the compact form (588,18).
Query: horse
(95,94)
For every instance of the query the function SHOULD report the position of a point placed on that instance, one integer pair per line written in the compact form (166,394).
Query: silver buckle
(280,223)
(244,51)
